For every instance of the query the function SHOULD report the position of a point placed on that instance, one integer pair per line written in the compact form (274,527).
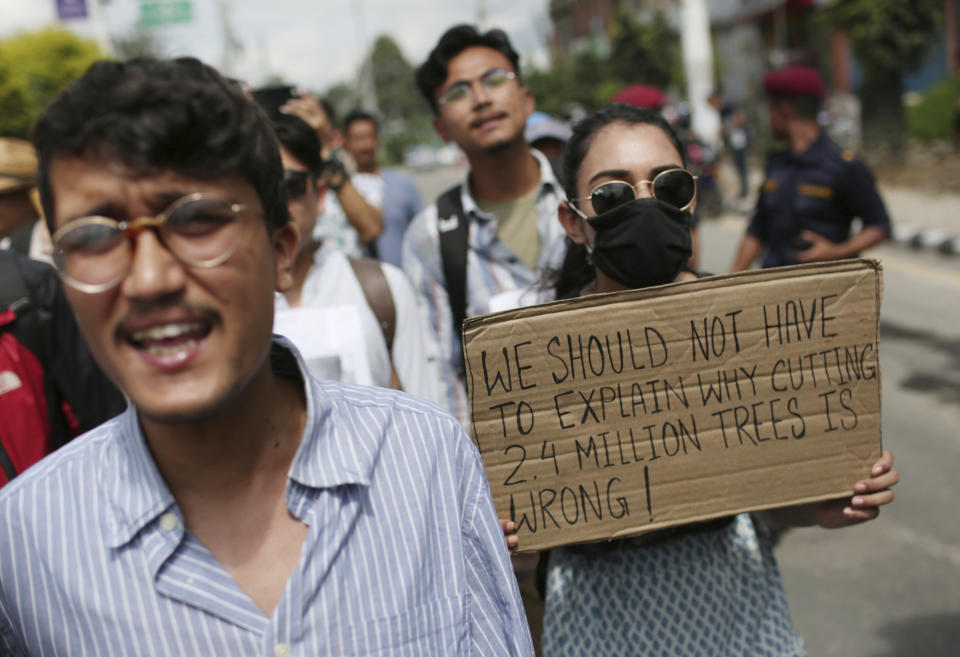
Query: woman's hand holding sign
(869,495)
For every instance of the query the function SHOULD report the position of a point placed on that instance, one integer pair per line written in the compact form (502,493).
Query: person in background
(20,227)
(813,190)
(239,506)
(736,138)
(627,221)
(388,188)
(350,221)
(548,135)
(497,230)
(374,298)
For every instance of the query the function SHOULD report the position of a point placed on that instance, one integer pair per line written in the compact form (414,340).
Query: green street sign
(162,13)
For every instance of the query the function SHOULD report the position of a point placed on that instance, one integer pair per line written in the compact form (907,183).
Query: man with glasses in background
(497,230)
(238,506)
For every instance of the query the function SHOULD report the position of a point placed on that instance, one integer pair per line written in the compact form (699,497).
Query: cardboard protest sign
(613,415)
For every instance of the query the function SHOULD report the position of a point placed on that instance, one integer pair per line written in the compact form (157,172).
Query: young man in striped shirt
(238,507)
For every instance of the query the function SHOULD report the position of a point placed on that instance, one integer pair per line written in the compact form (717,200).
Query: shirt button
(169,522)
(281,650)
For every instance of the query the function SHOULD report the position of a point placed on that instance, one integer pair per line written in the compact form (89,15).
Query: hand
(822,249)
(522,563)
(870,495)
(309,109)
(510,533)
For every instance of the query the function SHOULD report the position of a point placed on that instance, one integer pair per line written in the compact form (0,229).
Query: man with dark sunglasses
(239,506)
(389,346)
(498,230)
(813,190)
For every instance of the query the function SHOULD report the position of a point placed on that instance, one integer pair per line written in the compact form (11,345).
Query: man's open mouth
(169,338)
(487,120)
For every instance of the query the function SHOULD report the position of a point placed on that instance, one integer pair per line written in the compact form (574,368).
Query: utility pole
(698,63)
(366,88)
(232,46)
(481,14)
(100,30)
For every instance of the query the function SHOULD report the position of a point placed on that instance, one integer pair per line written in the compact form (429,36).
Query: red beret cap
(794,81)
(640,95)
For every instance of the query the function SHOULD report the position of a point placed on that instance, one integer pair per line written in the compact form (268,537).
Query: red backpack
(24,420)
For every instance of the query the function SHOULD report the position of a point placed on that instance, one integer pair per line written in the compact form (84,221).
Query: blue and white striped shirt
(404,554)
(492,268)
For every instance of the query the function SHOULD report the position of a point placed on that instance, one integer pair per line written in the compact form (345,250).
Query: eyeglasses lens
(610,195)
(295,184)
(495,78)
(92,253)
(201,231)
(96,252)
(676,187)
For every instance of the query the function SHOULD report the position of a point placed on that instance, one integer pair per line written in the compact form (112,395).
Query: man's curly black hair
(176,115)
(433,73)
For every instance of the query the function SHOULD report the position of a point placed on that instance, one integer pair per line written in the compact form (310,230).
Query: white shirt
(332,283)
(332,227)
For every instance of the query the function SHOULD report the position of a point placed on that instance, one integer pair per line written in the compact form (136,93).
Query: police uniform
(822,189)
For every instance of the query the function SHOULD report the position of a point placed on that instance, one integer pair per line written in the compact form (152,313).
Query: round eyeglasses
(678,187)
(95,253)
(462,89)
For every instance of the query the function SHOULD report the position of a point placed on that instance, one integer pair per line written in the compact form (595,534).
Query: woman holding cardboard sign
(706,589)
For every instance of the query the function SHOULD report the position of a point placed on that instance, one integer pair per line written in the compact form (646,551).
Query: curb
(926,238)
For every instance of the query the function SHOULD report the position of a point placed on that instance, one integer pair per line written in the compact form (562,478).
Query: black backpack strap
(454,230)
(20,240)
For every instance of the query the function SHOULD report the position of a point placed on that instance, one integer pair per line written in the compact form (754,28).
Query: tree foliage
(406,117)
(639,53)
(35,67)
(888,35)
(888,38)
(644,53)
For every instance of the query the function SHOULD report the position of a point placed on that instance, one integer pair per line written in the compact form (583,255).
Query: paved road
(891,587)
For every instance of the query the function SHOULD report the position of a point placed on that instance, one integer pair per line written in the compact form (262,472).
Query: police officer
(813,190)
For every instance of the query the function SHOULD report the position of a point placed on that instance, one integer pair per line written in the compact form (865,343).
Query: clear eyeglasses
(95,253)
(458,91)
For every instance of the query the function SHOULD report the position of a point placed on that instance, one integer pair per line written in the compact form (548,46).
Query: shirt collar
(548,183)
(813,153)
(334,451)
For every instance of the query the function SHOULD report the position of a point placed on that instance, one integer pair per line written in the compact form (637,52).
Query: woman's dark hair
(431,75)
(301,140)
(175,115)
(576,270)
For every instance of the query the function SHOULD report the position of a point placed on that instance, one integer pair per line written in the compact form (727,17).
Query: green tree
(35,67)
(888,38)
(639,53)
(644,53)
(406,117)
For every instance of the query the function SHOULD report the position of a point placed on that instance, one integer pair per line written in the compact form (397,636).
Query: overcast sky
(313,43)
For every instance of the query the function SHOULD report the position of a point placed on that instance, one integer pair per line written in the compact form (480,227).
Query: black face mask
(642,243)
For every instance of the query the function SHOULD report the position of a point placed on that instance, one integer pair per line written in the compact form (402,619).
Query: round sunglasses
(678,187)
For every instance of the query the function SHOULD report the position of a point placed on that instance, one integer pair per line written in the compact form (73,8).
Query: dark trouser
(740,161)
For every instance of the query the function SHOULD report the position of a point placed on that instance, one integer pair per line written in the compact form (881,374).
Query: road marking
(928,269)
